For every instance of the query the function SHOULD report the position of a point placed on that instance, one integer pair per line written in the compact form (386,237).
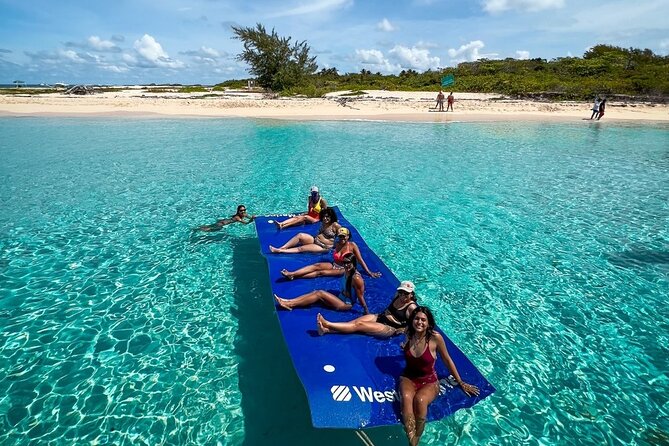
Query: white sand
(375,105)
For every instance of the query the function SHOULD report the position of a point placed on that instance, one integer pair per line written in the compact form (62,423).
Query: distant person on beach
(392,321)
(440,101)
(352,291)
(240,217)
(419,384)
(321,242)
(342,246)
(450,101)
(314,205)
(595,108)
(602,107)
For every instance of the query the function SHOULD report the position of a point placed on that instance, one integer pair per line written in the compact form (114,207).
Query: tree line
(285,67)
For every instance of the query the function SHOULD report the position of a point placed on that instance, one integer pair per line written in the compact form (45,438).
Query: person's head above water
(241,209)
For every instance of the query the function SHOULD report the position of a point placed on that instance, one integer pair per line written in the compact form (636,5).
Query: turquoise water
(542,248)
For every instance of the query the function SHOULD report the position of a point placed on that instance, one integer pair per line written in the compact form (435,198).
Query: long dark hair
(411,332)
(330,213)
(238,208)
(350,258)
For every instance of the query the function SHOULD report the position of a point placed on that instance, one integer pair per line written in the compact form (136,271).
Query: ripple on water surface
(542,248)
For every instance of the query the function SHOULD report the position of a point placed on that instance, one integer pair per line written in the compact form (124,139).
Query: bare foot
(322,329)
(273,249)
(278,225)
(282,303)
(286,274)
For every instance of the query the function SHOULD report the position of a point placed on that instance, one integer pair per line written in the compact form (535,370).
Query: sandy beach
(374,105)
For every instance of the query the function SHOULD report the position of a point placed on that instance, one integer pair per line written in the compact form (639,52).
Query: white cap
(314,189)
(407,286)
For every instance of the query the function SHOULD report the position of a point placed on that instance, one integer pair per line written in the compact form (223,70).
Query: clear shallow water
(543,249)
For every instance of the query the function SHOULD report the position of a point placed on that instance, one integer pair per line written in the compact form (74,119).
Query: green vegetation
(278,65)
(604,70)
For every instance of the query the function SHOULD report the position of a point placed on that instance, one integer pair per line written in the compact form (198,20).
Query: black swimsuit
(399,315)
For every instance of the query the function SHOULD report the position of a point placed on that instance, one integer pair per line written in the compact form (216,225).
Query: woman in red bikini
(419,385)
(343,246)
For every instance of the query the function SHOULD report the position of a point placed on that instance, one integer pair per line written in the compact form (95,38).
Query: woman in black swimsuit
(392,321)
(321,242)
(241,216)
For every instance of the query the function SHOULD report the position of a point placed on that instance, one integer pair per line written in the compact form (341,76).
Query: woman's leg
(306,270)
(421,401)
(327,272)
(313,248)
(364,324)
(328,299)
(297,220)
(407,393)
(299,239)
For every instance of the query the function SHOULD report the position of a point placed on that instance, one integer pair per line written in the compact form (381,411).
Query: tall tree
(277,64)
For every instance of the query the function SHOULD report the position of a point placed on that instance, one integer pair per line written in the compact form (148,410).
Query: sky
(126,42)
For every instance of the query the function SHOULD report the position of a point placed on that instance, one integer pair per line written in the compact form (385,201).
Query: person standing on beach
(602,107)
(450,101)
(595,108)
(440,101)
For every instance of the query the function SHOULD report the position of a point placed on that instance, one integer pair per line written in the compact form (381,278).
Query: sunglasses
(242,210)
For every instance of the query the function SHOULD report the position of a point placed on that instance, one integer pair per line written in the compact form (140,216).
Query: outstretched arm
(469,389)
(356,251)
(250,220)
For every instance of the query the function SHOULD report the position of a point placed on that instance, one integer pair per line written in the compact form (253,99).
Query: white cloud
(494,6)
(153,54)
(376,61)
(70,55)
(522,55)
(414,58)
(314,7)
(470,52)
(96,43)
(400,57)
(385,25)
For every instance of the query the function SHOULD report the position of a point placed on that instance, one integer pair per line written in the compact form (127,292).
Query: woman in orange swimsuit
(314,205)
(419,385)
(342,246)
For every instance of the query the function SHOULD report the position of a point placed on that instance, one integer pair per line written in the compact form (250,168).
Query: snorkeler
(240,217)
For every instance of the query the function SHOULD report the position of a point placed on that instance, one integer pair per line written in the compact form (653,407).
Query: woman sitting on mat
(240,217)
(419,385)
(392,321)
(322,242)
(335,268)
(352,291)
(314,205)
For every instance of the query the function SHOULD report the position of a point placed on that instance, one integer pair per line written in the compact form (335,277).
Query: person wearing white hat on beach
(315,203)
(392,321)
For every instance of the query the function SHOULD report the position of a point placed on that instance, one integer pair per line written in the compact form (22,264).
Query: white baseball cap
(314,189)
(407,286)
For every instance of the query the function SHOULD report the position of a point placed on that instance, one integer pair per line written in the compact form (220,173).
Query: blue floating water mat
(351,380)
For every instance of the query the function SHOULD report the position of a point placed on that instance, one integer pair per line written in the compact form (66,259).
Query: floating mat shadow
(351,380)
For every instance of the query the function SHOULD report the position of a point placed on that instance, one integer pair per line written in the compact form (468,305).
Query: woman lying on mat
(314,205)
(419,385)
(392,321)
(321,242)
(343,246)
(352,291)
(240,217)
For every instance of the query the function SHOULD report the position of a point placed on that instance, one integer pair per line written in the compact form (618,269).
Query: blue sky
(180,41)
